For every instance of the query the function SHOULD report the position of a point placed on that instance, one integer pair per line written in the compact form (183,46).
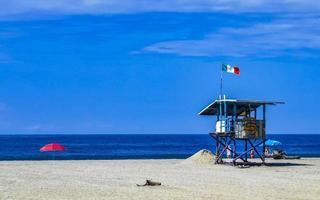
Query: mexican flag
(229,69)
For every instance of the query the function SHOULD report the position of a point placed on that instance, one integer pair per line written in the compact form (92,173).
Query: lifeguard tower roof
(241,106)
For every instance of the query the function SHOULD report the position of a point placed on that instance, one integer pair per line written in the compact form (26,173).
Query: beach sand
(117,179)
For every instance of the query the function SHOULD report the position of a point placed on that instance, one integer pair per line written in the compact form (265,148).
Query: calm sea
(26,147)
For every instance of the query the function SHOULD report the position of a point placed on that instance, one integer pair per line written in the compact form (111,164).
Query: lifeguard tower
(239,123)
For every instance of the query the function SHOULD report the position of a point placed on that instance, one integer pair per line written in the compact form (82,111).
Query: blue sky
(150,67)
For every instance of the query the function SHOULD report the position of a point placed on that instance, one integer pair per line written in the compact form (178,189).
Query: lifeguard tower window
(239,120)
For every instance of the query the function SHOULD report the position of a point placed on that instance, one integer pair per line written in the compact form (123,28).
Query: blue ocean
(26,147)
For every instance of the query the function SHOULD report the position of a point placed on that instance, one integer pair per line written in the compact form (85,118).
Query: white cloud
(264,39)
(71,7)
(40,127)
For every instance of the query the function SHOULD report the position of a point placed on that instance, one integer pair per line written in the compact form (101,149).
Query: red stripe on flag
(237,70)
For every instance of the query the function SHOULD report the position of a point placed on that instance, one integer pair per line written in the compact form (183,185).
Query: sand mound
(203,156)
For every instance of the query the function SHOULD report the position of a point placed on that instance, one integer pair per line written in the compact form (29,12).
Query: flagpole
(224,102)
(221,80)
(220,97)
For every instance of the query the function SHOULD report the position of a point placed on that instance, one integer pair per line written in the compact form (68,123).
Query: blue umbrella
(272,143)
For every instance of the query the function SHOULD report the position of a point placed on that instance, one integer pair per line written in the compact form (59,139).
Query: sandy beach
(117,179)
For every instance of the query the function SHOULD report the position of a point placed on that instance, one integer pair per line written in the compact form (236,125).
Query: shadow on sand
(268,164)
(285,164)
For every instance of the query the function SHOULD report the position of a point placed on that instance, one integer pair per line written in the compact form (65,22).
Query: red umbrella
(52,147)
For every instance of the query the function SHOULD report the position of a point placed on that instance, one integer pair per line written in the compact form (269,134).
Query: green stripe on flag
(224,67)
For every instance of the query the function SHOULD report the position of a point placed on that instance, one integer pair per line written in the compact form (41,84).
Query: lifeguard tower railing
(239,121)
